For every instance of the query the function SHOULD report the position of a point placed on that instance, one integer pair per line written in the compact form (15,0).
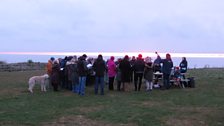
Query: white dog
(42,80)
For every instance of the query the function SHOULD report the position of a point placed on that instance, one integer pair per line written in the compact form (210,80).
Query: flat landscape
(199,106)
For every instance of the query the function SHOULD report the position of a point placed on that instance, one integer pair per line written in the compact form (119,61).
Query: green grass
(200,106)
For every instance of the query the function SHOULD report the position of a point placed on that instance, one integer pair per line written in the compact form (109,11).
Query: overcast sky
(112,25)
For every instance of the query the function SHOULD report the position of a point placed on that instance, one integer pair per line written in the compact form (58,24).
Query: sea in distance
(192,62)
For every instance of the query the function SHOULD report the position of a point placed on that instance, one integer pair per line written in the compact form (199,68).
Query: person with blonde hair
(148,73)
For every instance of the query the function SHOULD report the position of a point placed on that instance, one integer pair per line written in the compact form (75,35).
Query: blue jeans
(99,81)
(82,85)
(75,88)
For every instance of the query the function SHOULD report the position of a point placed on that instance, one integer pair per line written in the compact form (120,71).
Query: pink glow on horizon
(119,54)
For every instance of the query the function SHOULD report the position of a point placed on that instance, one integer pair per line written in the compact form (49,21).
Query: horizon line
(119,54)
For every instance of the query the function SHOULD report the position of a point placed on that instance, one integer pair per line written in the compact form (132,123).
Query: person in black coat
(138,68)
(125,68)
(99,66)
(183,65)
(82,73)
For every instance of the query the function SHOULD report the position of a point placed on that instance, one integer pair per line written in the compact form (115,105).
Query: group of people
(73,73)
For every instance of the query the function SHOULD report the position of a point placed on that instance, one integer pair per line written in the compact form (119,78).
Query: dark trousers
(99,82)
(63,79)
(131,76)
(111,83)
(166,80)
(138,79)
(119,85)
(55,86)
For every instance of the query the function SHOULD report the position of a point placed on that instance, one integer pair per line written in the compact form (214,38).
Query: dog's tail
(31,83)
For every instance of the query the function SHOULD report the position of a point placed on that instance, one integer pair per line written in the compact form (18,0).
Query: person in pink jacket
(111,72)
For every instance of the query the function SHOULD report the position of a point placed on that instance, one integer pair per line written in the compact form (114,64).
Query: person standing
(49,70)
(49,66)
(55,77)
(167,65)
(138,68)
(82,73)
(183,65)
(99,67)
(125,68)
(111,66)
(156,64)
(148,73)
(62,63)
(132,70)
(118,75)
(72,74)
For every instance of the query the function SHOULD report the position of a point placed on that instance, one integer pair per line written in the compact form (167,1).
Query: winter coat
(111,66)
(183,66)
(157,65)
(167,66)
(82,67)
(49,67)
(99,67)
(55,76)
(125,68)
(148,72)
(139,66)
(72,72)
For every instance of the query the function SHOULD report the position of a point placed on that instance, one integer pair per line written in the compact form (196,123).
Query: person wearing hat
(49,69)
(49,66)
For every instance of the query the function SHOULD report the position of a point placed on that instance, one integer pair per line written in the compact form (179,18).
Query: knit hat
(139,55)
(52,58)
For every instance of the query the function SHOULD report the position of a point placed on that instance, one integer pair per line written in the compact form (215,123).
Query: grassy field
(200,106)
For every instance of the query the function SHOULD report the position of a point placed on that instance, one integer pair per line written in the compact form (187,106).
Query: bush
(3,62)
(30,61)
